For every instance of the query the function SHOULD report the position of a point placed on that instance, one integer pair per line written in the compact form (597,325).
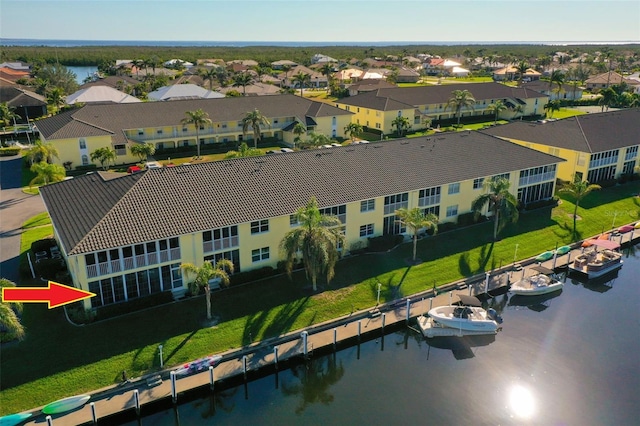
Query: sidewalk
(327,336)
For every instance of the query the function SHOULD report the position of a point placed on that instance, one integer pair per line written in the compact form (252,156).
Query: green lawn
(37,220)
(58,359)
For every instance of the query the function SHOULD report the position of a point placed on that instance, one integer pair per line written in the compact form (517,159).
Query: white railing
(533,179)
(223,243)
(127,263)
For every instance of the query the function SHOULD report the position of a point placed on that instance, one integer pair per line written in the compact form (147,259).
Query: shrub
(253,275)
(384,242)
(608,183)
(43,245)
(469,218)
(446,226)
(50,268)
(138,304)
(9,152)
(542,203)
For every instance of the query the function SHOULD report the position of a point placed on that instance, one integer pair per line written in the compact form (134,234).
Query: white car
(326,146)
(152,165)
(335,144)
(286,150)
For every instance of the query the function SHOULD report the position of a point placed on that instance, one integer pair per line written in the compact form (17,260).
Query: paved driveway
(15,208)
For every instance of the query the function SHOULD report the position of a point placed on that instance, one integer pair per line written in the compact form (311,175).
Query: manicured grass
(58,359)
(567,112)
(37,220)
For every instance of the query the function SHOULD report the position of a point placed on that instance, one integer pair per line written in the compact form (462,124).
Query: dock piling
(275,356)
(304,336)
(408,310)
(335,338)
(244,366)
(136,399)
(49,421)
(174,393)
(94,415)
(212,379)
(359,328)
(383,320)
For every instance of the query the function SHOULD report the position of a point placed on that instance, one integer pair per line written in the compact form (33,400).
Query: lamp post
(161,360)
(378,299)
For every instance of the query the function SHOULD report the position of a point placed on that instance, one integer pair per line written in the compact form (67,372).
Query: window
(395,202)
(219,239)
(477,183)
(159,131)
(367,205)
(120,149)
(260,254)
(233,256)
(429,196)
(378,126)
(452,211)
(184,129)
(454,188)
(631,153)
(338,211)
(366,230)
(83,144)
(260,226)
(85,160)
(293,220)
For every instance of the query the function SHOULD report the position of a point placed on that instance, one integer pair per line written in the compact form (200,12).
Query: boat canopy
(542,270)
(469,300)
(607,244)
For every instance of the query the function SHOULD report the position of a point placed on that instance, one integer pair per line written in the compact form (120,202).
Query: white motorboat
(468,315)
(542,282)
(599,258)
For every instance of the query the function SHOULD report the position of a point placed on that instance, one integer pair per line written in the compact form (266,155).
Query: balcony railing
(203,134)
(533,179)
(127,263)
(223,243)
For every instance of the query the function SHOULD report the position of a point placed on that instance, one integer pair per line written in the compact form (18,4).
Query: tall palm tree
(552,106)
(556,77)
(415,219)
(55,98)
(578,189)
(208,75)
(286,68)
(327,71)
(206,273)
(243,79)
(254,120)
(522,68)
(142,150)
(317,239)
(104,156)
(502,203)
(607,97)
(7,116)
(42,151)
(497,107)
(9,311)
(401,124)
(243,151)
(518,109)
(222,76)
(460,99)
(47,173)
(352,130)
(198,118)
(298,130)
(301,79)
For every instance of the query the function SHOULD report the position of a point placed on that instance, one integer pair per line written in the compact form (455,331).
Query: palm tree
(552,106)
(352,130)
(7,116)
(518,109)
(500,201)
(286,68)
(497,107)
(557,77)
(47,173)
(315,140)
(522,68)
(9,312)
(460,99)
(104,155)
(208,75)
(607,97)
(254,119)
(222,76)
(415,219)
(301,79)
(198,118)
(243,151)
(578,189)
(55,98)
(243,79)
(142,150)
(42,152)
(206,273)
(401,124)
(327,71)
(317,239)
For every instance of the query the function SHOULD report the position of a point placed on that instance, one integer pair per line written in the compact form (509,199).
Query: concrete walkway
(324,337)
(15,208)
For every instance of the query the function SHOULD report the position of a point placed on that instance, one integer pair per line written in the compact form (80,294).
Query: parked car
(286,150)
(152,165)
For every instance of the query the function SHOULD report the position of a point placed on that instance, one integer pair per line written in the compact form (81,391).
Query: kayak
(563,250)
(66,404)
(544,256)
(13,419)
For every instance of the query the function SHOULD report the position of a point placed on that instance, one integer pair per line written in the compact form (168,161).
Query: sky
(328,20)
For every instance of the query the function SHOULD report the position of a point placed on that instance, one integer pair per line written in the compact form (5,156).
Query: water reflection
(535,303)
(521,402)
(314,379)
(461,347)
(219,400)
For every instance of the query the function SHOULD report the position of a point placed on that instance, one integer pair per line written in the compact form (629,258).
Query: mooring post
(136,400)
(161,360)
(94,415)
(275,355)
(212,378)
(383,320)
(244,366)
(304,335)
(174,393)
(359,328)
(408,309)
(335,338)
(49,421)
(486,283)
(569,258)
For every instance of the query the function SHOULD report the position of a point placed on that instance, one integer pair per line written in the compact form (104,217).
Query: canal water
(570,358)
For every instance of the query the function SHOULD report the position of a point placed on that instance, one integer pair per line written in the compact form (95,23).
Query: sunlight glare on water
(521,402)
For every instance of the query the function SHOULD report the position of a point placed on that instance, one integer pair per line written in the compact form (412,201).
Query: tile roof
(440,94)
(91,214)
(586,133)
(17,97)
(112,119)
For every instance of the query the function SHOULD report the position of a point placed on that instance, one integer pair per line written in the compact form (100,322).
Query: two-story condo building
(77,133)
(377,109)
(125,237)
(597,147)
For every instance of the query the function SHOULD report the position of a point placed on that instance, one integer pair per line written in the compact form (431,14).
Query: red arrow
(54,294)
